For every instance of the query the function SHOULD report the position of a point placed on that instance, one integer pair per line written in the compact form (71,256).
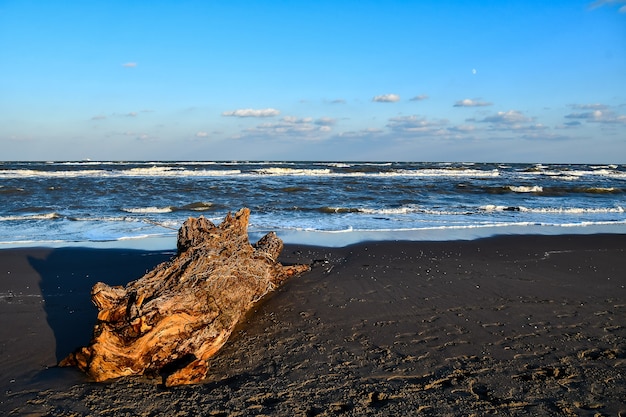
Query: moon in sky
(474,71)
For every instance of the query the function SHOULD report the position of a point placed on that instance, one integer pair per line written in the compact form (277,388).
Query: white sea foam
(553,210)
(104,219)
(147,210)
(46,216)
(390,211)
(154,171)
(32,173)
(174,170)
(602,189)
(572,174)
(293,171)
(463,172)
(414,209)
(611,166)
(526,189)
(167,171)
(339,165)
(179,171)
(346,237)
(577,210)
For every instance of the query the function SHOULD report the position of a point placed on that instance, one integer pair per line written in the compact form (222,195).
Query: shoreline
(343,238)
(520,325)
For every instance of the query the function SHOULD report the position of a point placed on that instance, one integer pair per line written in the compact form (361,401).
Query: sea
(142,204)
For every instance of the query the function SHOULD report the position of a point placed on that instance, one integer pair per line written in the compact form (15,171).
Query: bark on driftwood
(182,312)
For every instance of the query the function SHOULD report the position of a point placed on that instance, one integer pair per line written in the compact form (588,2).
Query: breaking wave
(198,206)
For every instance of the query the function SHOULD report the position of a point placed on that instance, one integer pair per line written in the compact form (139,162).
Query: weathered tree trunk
(182,312)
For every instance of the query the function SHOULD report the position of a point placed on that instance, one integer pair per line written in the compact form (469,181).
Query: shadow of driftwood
(67,276)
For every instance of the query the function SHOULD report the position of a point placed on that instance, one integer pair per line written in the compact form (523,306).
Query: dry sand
(520,326)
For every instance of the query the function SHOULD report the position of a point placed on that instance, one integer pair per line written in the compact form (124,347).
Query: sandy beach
(512,325)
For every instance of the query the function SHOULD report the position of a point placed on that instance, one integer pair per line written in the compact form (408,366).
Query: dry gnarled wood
(182,312)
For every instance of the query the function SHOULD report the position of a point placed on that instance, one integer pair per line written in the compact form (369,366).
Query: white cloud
(131,114)
(129,65)
(293,126)
(325,121)
(510,117)
(386,98)
(543,135)
(252,113)
(597,113)
(585,115)
(471,103)
(594,106)
(403,128)
(363,133)
(415,124)
(528,128)
(99,117)
(462,128)
(573,123)
(297,120)
(420,97)
(599,116)
(338,101)
(201,134)
(503,125)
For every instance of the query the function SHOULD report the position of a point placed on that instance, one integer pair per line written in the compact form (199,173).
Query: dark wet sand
(519,325)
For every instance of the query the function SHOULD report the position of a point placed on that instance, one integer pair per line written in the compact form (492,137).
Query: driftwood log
(173,319)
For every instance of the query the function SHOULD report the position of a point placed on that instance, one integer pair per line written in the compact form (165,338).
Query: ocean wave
(448,172)
(35,173)
(111,219)
(465,211)
(553,210)
(483,225)
(153,171)
(394,211)
(147,210)
(196,206)
(170,170)
(576,174)
(339,210)
(390,211)
(364,210)
(550,191)
(601,190)
(114,199)
(538,189)
(577,210)
(526,189)
(342,169)
(167,171)
(82,163)
(339,165)
(293,171)
(46,216)
(611,166)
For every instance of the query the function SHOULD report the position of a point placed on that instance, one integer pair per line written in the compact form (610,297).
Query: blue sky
(510,81)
